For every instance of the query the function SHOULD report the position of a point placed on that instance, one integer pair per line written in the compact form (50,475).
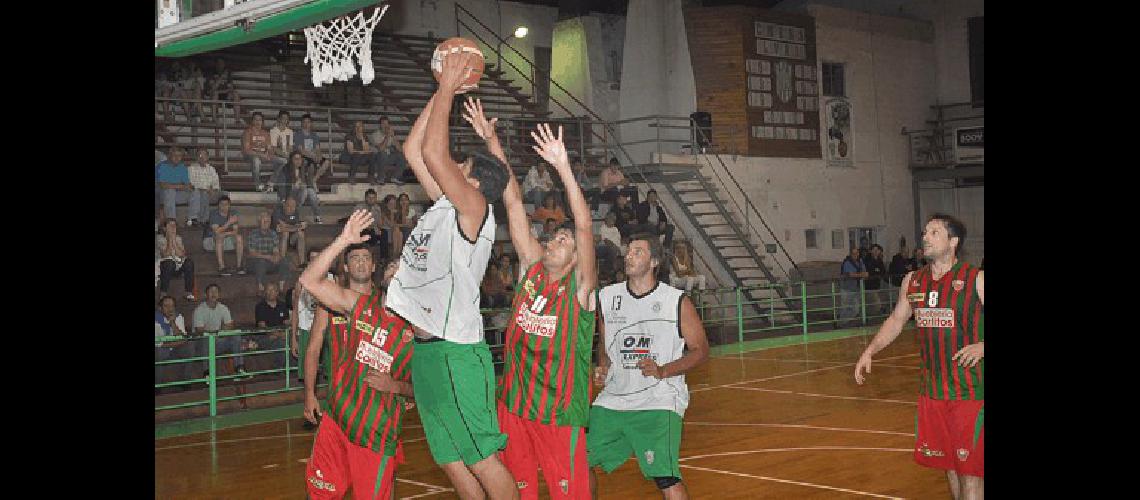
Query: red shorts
(560,450)
(951,435)
(337,463)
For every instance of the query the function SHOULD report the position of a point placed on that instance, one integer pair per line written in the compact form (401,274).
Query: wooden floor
(788,422)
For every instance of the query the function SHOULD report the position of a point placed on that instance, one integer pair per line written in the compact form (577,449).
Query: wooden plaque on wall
(782,85)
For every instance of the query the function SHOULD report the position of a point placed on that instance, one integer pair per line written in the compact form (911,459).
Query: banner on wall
(969,144)
(837,116)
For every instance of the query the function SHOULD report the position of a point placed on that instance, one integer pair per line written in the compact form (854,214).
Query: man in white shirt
(280,145)
(206,187)
(169,323)
(537,183)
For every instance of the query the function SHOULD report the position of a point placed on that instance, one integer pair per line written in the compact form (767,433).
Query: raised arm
(313,279)
(553,150)
(890,330)
(413,152)
(468,201)
(528,248)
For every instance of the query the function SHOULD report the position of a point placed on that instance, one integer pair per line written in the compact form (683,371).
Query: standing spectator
(406,217)
(651,215)
(304,175)
(390,235)
(612,181)
(309,144)
(370,204)
(169,323)
(900,265)
(548,210)
(918,260)
(357,152)
(304,311)
(220,87)
(537,184)
(265,254)
(287,221)
(507,271)
(272,313)
(173,260)
(174,180)
(223,226)
(255,148)
(876,269)
(683,270)
(389,154)
(207,187)
(851,271)
(281,146)
(211,317)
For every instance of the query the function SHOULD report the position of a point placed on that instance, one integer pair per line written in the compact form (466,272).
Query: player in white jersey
(437,291)
(646,326)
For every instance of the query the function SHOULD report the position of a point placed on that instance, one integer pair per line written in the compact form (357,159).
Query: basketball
(454,46)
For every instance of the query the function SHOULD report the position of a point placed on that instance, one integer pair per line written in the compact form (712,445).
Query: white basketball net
(333,44)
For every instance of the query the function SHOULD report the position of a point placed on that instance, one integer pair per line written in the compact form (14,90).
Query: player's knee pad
(666,482)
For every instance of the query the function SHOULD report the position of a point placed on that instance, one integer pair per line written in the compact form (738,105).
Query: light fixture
(521,31)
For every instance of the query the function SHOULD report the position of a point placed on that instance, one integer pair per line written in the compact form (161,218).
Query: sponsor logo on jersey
(934,318)
(927,452)
(521,484)
(958,285)
(915,297)
(564,485)
(319,482)
(636,347)
(963,454)
(339,320)
(416,250)
(368,312)
(373,356)
(364,327)
(528,287)
(656,307)
(535,324)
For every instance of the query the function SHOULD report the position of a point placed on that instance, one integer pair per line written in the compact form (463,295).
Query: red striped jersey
(368,338)
(949,316)
(547,348)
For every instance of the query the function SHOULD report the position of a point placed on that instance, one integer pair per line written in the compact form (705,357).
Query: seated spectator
(281,146)
(389,158)
(223,226)
(651,215)
(173,260)
(265,254)
(164,88)
(288,223)
(548,210)
(612,181)
(684,273)
(507,272)
(493,292)
(188,87)
(607,244)
(537,184)
(272,313)
(211,317)
(899,266)
(207,188)
(585,183)
(169,323)
(406,217)
(303,175)
(309,144)
(220,87)
(626,216)
(174,181)
(255,149)
(357,152)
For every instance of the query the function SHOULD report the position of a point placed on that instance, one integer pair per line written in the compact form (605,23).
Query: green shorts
(302,346)
(652,436)
(455,394)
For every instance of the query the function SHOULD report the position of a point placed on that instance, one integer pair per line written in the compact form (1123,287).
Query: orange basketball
(454,46)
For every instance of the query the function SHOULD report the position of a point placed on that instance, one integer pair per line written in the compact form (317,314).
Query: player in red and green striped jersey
(358,446)
(544,395)
(946,298)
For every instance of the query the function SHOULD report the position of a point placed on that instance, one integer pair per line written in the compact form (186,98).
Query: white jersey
(437,285)
(648,326)
(307,306)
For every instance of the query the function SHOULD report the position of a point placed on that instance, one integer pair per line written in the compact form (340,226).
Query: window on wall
(977,40)
(832,79)
(837,239)
(809,237)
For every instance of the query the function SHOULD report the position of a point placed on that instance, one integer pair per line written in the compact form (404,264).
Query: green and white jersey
(637,327)
(437,286)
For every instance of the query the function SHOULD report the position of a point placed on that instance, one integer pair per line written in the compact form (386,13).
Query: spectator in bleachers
(255,149)
(174,181)
(851,271)
(169,323)
(159,157)
(173,260)
(390,233)
(358,153)
(537,184)
(390,162)
(900,265)
(207,187)
(612,181)
(548,229)
(189,87)
(651,215)
(272,313)
(212,316)
(370,204)
(223,225)
(876,298)
(406,217)
(164,87)
(287,221)
(548,210)
(585,183)
(265,254)
(610,238)
(303,175)
(220,87)
(507,271)
(309,144)
(493,292)
(918,260)
(626,216)
(281,146)
(304,310)
(683,272)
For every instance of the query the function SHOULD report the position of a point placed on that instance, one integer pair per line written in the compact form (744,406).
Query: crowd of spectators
(182,83)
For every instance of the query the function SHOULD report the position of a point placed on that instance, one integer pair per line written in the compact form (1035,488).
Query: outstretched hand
(474,115)
(457,66)
(551,148)
(359,221)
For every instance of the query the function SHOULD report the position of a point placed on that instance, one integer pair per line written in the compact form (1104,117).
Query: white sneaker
(261,187)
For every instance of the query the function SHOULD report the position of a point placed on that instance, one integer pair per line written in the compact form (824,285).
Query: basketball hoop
(332,45)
